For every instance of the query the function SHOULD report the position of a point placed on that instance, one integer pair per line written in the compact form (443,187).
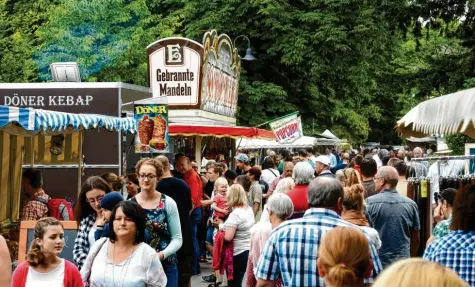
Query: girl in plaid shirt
(89,216)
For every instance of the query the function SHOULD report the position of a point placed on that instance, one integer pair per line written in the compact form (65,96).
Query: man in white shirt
(311,156)
(418,169)
(447,168)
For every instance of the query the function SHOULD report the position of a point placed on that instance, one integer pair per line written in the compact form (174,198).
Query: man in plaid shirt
(457,249)
(35,207)
(292,249)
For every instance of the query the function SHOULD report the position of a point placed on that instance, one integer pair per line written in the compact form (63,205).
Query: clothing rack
(439,158)
(449,157)
(418,189)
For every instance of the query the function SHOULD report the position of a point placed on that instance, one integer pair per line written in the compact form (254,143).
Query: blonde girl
(219,201)
(417,272)
(344,258)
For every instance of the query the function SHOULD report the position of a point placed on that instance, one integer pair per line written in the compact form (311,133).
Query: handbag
(93,255)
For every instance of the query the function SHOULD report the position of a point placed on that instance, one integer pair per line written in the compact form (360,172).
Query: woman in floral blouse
(162,219)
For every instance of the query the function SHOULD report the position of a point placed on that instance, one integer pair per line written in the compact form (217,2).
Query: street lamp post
(249,56)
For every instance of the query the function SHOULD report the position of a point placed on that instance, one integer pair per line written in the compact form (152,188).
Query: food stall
(200,83)
(28,136)
(102,150)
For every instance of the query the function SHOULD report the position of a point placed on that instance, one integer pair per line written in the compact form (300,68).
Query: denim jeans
(195,219)
(171,271)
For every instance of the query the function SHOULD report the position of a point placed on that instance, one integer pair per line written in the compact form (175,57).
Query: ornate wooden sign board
(195,76)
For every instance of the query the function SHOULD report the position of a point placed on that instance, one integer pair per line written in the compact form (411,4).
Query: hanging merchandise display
(417,190)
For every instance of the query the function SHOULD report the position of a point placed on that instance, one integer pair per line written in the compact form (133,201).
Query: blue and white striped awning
(35,120)
(22,116)
(59,121)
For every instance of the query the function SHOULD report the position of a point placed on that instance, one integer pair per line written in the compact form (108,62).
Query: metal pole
(453,157)
(80,163)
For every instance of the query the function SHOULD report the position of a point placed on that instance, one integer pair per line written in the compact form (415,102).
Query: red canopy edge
(219,131)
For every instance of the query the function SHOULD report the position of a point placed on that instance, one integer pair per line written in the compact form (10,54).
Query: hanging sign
(174,66)
(152,128)
(287,129)
(220,79)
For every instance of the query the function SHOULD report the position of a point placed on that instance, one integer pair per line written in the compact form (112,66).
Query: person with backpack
(39,204)
(35,207)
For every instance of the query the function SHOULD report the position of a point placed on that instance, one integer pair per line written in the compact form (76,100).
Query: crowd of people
(302,219)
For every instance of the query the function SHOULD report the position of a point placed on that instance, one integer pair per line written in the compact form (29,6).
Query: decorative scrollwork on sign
(220,74)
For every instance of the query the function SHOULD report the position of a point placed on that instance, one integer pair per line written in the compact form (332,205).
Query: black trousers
(239,266)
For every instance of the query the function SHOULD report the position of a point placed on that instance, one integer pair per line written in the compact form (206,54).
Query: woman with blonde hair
(348,177)
(344,258)
(115,182)
(417,272)
(43,266)
(353,208)
(237,229)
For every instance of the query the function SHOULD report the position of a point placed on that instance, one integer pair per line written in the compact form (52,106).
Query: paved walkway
(206,270)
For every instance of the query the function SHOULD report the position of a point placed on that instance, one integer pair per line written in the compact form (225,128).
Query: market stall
(29,136)
(449,114)
(211,141)
(250,144)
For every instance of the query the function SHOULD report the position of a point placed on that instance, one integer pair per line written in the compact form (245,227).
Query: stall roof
(43,121)
(219,131)
(448,114)
(329,134)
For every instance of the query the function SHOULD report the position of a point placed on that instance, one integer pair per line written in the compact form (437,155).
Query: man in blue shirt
(395,217)
(331,157)
(292,249)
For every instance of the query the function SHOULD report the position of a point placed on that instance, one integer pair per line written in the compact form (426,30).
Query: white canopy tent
(302,142)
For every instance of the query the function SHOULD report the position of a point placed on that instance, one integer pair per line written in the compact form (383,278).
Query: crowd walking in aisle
(302,227)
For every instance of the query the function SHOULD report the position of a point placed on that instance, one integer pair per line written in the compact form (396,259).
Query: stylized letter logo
(174,55)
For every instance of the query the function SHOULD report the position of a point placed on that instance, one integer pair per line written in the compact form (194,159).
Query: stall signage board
(27,234)
(287,129)
(174,66)
(152,128)
(220,78)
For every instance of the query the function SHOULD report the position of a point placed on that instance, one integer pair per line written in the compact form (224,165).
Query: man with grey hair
(302,175)
(395,217)
(280,208)
(292,249)
(287,172)
(417,169)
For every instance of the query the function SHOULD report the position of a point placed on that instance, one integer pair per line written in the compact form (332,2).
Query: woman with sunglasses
(162,219)
(89,216)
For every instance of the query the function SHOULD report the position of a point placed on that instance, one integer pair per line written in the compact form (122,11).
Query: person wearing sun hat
(447,168)
(322,167)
